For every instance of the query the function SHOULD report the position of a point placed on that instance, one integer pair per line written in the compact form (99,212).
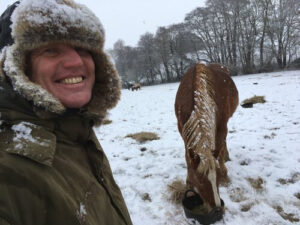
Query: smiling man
(65,71)
(56,83)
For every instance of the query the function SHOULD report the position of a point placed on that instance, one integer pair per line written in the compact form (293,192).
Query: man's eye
(50,51)
(83,52)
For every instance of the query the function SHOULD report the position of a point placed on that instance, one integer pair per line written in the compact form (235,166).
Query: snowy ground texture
(263,143)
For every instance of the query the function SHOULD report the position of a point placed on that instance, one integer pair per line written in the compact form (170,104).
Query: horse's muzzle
(191,203)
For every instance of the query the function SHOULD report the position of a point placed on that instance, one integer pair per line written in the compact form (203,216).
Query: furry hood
(38,23)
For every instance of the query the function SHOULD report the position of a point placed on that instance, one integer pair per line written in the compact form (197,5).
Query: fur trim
(2,59)
(38,23)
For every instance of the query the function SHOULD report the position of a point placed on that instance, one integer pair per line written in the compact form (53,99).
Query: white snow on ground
(263,143)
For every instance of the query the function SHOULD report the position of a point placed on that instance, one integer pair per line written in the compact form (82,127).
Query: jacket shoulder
(4,222)
(28,140)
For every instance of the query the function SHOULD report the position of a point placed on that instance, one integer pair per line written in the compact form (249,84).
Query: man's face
(66,72)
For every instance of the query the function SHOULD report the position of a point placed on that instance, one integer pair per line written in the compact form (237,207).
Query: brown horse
(136,86)
(206,98)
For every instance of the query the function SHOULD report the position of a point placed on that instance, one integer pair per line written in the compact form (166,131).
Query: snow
(79,16)
(263,144)
(23,135)
(23,131)
(81,212)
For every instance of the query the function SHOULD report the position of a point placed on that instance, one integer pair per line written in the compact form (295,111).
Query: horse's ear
(195,159)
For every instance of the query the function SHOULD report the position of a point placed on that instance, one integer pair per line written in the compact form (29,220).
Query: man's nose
(71,58)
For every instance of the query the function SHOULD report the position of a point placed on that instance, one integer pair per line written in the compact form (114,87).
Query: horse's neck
(199,132)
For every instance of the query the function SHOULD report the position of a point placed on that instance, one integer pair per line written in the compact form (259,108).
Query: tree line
(248,36)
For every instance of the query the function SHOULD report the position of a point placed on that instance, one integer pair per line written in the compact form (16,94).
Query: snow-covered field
(263,143)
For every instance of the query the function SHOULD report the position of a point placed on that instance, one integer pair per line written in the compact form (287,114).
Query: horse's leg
(222,154)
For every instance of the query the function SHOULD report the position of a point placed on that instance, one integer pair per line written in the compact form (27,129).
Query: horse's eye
(196,159)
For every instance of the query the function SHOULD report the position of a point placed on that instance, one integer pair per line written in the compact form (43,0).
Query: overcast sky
(128,19)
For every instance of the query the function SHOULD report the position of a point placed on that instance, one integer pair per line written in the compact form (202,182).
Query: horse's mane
(200,129)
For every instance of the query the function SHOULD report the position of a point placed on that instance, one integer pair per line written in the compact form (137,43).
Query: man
(56,82)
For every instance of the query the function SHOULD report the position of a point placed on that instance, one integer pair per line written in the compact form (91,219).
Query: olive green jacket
(53,171)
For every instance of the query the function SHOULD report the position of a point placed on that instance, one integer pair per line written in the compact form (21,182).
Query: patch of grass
(176,189)
(257,183)
(270,136)
(282,181)
(143,149)
(237,195)
(126,158)
(275,128)
(248,103)
(246,207)
(147,176)
(142,137)
(294,178)
(106,121)
(146,197)
(245,162)
(287,216)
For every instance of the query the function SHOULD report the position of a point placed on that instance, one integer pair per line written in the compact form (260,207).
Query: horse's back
(224,91)
(184,103)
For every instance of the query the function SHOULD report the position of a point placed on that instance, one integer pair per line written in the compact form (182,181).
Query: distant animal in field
(128,84)
(136,86)
(206,98)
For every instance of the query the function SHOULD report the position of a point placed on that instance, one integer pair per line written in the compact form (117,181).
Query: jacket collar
(28,140)
(25,134)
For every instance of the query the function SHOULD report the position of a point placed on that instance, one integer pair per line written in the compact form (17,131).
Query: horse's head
(203,178)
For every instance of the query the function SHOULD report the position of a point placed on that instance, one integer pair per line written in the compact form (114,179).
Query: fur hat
(33,24)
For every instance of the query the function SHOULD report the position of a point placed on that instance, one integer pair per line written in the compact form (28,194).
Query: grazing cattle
(206,98)
(136,87)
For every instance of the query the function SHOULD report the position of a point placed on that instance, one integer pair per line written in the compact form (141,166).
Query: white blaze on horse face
(212,177)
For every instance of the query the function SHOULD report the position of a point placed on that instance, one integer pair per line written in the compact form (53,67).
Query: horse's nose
(217,212)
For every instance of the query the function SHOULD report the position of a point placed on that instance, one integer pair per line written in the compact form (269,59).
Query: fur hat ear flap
(5,26)
(2,59)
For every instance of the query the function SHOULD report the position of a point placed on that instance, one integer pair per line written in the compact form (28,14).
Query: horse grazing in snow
(206,98)
(136,86)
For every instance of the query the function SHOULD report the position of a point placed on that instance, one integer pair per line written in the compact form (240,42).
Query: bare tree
(119,55)
(126,60)
(179,49)
(162,40)
(148,58)
(245,35)
(199,22)
(282,29)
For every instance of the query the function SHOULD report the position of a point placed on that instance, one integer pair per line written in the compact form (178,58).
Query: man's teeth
(73,80)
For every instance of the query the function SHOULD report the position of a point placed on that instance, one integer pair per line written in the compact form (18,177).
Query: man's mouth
(72,80)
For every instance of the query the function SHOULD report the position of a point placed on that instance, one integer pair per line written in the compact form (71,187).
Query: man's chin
(75,102)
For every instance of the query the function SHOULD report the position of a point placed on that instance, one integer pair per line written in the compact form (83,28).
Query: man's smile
(72,80)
